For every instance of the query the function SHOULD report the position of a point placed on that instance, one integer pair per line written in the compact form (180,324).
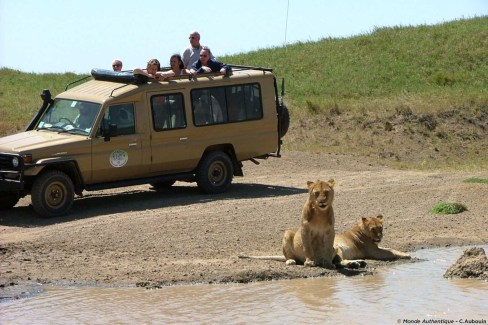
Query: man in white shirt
(192,54)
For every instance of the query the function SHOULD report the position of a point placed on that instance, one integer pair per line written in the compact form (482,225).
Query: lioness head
(373,227)
(321,193)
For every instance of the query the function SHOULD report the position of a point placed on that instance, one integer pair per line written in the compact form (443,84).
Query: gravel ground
(137,236)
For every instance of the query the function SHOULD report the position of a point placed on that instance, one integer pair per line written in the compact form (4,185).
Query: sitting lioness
(313,243)
(361,242)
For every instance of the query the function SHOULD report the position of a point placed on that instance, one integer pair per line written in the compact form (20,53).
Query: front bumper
(11,175)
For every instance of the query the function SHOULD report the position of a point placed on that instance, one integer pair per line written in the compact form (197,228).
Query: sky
(75,36)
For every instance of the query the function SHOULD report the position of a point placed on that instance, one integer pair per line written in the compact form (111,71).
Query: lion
(356,244)
(313,243)
(361,242)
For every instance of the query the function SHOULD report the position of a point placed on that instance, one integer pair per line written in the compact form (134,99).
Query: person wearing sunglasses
(191,54)
(207,65)
(117,65)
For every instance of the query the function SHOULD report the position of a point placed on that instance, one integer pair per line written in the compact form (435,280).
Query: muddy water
(401,294)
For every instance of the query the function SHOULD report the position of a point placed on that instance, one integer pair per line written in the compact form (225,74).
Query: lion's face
(373,227)
(321,193)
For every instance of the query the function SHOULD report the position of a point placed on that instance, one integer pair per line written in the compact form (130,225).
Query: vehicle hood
(34,140)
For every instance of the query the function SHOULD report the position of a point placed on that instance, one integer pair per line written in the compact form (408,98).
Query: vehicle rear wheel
(214,173)
(52,194)
(8,200)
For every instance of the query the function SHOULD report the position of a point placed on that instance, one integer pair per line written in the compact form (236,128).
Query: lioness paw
(356,264)
(290,262)
(309,263)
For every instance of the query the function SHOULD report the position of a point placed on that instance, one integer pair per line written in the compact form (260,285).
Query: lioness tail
(268,258)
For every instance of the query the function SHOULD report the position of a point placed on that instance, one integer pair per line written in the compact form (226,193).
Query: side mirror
(111,132)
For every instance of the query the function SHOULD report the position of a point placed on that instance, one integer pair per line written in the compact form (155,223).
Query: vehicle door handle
(184,139)
(133,144)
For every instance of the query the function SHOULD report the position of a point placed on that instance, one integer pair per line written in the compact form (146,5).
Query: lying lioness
(361,242)
(313,243)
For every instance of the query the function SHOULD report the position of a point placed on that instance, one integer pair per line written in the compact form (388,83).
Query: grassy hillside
(412,97)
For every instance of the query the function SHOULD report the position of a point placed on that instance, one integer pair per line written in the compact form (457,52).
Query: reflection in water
(412,291)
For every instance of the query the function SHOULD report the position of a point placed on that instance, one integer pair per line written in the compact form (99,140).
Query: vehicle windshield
(70,116)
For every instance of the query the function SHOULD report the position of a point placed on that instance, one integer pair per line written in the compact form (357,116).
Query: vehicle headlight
(15,162)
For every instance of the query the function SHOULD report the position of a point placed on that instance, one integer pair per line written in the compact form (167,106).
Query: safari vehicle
(118,130)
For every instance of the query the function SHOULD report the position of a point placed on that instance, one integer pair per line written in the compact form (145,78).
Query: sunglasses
(115,65)
(203,55)
(191,37)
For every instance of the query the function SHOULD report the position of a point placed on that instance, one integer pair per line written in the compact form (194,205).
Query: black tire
(52,194)
(214,173)
(284,116)
(8,200)
(162,185)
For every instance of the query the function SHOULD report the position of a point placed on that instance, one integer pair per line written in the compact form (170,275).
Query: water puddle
(402,294)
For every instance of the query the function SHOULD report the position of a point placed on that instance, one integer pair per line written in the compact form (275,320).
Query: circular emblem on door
(118,158)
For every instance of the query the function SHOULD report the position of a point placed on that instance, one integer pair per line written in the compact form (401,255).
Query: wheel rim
(55,194)
(217,173)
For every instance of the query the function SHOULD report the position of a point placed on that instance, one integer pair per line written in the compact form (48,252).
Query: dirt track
(137,236)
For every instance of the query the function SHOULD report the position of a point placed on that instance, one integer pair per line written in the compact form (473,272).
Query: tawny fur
(313,243)
(361,242)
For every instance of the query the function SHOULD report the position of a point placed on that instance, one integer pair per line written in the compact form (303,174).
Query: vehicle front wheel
(52,194)
(8,200)
(214,173)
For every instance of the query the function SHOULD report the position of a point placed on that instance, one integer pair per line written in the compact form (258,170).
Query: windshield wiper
(77,131)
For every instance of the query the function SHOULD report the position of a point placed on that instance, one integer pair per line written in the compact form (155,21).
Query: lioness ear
(331,182)
(309,184)
(379,216)
(364,219)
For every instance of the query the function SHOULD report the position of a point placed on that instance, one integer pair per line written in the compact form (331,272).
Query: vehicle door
(173,149)
(118,157)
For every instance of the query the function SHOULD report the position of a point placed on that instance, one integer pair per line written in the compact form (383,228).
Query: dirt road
(138,236)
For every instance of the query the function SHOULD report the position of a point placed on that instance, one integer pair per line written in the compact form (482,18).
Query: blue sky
(78,35)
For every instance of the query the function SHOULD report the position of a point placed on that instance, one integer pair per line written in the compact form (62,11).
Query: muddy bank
(137,236)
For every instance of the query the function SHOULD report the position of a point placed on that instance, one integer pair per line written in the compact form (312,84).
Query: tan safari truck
(119,130)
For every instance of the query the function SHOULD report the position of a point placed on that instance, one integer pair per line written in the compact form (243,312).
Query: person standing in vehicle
(177,67)
(192,54)
(206,64)
(152,70)
(117,65)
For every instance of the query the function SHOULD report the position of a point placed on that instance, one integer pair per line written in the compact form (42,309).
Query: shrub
(449,208)
(476,180)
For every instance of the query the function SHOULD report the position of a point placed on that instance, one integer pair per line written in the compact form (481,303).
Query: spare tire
(284,119)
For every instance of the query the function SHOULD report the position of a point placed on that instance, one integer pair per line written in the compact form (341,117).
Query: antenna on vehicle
(286,23)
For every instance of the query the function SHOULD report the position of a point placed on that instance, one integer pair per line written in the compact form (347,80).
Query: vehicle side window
(244,103)
(207,106)
(168,112)
(226,104)
(123,116)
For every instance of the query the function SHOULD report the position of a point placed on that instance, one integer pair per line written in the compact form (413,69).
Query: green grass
(410,97)
(449,208)
(20,95)
(476,180)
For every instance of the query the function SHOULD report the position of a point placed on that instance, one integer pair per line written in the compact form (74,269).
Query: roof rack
(76,81)
(233,66)
(127,77)
(246,67)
